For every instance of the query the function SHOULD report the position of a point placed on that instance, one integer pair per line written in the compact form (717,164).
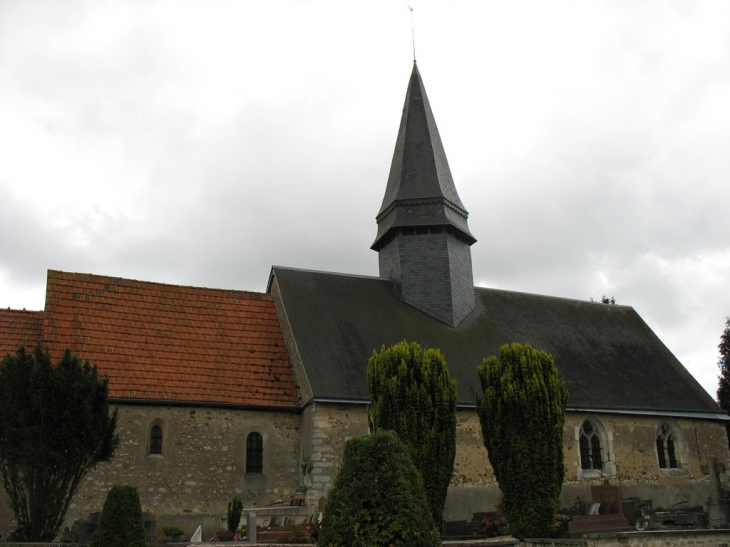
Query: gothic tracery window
(590,447)
(666,448)
(254,453)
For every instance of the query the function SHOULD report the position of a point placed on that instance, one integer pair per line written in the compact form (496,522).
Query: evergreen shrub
(121,523)
(235,508)
(412,393)
(55,426)
(522,413)
(377,498)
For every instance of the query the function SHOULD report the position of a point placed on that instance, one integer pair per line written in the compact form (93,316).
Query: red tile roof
(19,328)
(171,343)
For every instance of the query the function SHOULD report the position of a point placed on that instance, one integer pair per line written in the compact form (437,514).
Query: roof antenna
(413,35)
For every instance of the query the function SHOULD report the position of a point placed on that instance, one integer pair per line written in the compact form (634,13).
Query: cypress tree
(55,426)
(522,413)
(412,393)
(723,390)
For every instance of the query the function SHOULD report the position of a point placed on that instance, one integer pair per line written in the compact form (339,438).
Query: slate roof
(420,189)
(171,343)
(19,328)
(607,355)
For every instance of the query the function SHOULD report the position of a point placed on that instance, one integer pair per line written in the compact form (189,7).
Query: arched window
(156,440)
(590,447)
(254,453)
(666,448)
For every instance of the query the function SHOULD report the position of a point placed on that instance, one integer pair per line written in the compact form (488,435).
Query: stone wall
(658,538)
(629,440)
(331,426)
(203,461)
(202,465)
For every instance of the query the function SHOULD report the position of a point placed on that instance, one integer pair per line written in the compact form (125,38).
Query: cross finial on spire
(413,35)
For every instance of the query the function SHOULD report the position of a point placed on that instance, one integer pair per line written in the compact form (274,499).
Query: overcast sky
(199,143)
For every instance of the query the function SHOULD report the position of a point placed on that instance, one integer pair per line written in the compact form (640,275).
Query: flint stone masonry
(631,442)
(202,465)
(473,485)
(332,425)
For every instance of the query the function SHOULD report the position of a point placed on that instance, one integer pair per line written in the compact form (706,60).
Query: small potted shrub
(174,531)
(235,508)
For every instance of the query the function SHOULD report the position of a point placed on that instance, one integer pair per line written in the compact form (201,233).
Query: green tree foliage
(378,498)
(55,426)
(522,414)
(121,523)
(723,390)
(235,508)
(605,300)
(412,394)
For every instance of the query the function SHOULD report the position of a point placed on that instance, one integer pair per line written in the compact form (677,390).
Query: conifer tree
(378,498)
(723,390)
(522,414)
(412,393)
(55,425)
(121,523)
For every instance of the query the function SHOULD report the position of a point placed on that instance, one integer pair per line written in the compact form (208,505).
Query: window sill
(590,474)
(673,472)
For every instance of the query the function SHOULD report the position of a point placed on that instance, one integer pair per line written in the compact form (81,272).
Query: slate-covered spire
(419,173)
(423,239)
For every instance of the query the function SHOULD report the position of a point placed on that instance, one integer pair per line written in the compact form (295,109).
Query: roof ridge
(375,277)
(237,292)
(13,310)
(478,288)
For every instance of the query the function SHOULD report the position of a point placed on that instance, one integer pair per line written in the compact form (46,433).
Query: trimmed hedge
(120,524)
(522,414)
(412,393)
(378,498)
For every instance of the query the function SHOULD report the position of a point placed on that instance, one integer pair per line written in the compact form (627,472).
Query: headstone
(718,508)
(606,493)
(197,536)
(251,528)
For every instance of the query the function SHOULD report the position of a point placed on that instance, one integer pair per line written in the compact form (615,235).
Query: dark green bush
(522,414)
(412,393)
(173,530)
(378,498)
(120,524)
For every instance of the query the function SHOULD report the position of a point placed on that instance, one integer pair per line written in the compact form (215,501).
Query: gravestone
(606,494)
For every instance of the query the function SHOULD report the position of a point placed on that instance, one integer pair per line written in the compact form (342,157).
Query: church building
(224,393)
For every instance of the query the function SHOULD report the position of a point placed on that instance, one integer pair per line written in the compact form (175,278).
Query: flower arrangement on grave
(240,533)
(299,534)
(561,523)
(487,527)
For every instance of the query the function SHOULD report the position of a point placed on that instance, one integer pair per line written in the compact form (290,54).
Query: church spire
(419,173)
(423,238)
